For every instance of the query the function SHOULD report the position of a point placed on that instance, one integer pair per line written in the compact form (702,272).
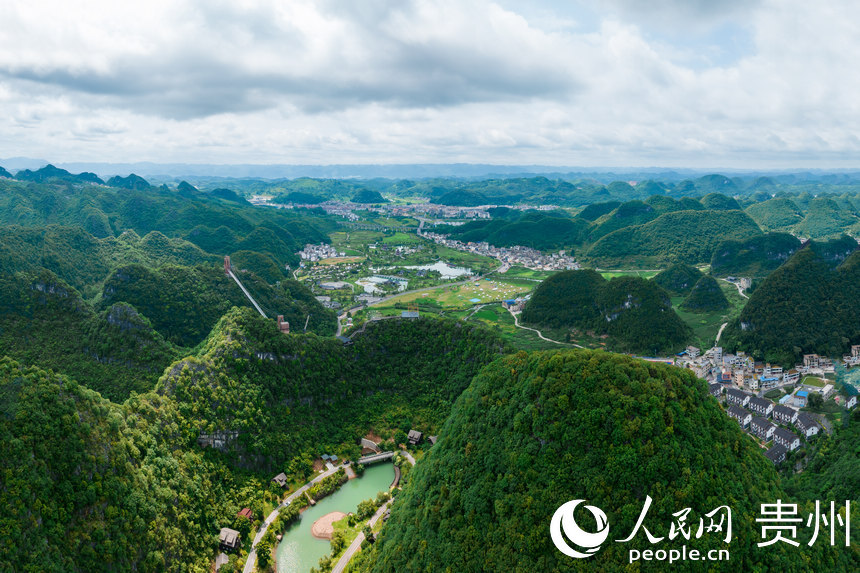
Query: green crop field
(399,238)
(460,296)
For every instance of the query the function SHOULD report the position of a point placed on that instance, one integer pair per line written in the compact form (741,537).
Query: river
(299,550)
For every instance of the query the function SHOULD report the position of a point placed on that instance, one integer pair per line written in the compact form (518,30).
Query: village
(766,400)
(509,256)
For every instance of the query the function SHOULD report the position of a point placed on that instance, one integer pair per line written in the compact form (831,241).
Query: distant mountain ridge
(764,178)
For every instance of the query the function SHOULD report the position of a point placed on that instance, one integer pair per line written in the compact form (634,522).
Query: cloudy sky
(697,83)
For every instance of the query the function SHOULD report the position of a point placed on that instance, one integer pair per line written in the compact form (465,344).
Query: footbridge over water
(374,458)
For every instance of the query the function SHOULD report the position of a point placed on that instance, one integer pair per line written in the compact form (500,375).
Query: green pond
(298,551)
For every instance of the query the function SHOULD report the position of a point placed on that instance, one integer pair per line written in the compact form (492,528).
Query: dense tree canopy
(636,313)
(706,296)
(535,431)
(809,305)
(678,279)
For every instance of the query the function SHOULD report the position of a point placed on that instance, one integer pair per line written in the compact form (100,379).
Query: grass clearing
(814,381)
(706,325)
(463,296)
(498,318)
(400,238)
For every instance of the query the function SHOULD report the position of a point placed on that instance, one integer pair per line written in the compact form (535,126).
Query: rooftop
(776,453)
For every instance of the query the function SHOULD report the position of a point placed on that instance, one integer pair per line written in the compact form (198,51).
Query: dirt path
(720,332)
(540,335)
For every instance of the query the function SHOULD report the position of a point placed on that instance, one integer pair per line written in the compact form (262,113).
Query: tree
(264,552)
(815,400)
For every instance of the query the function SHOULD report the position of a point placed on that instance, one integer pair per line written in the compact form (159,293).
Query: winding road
(740,291)
(540,335)
(251,562)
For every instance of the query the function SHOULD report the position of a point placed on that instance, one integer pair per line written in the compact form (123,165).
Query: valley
(158,369)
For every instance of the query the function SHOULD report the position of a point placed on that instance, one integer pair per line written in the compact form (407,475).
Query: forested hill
(678,279)
(90,485)
(706,296)
(636,313)
(184,303)
(756,256)
(291,394)
(808,305)
(44,321)
(83,260)
(534,431)
(218,226)
(680,236)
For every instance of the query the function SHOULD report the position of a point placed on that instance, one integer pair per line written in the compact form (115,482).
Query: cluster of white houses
(516,255)
(768,421)
(319,252)
(744,372)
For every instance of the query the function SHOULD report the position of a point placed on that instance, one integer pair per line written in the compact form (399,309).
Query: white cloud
(419,81)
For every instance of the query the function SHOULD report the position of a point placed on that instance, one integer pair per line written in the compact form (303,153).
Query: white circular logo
(563,519)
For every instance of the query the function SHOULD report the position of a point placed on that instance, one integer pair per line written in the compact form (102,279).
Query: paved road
(356,543)
(720,332)
(408,457)
(542,337)
(740,291)
(251,563)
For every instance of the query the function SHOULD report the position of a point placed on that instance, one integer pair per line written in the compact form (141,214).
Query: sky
(670,83)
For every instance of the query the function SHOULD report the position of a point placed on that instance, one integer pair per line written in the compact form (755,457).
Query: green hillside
(825,219)
(368,196)
(299,394)
(44,321)
(625,215)
(596,210)
(108,212)
(678,279)
(706,296)
(84,260)
(719,202)
(535,431)
(753,257)
(777,214)
(536,229)
(184,302)
(92,486)
(808,305)
(678,237)
(636,313)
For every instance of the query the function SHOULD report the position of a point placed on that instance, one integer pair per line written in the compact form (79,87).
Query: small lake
(446,270)
(299,550)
